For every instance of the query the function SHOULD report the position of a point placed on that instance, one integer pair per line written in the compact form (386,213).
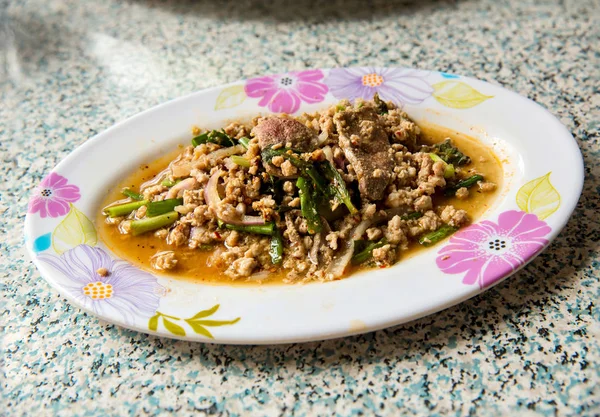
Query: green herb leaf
(449,153)
(382,107)
(337,188)
(214,136)
(306,168)
(366,253)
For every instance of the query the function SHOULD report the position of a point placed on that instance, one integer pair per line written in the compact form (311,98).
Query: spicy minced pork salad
(314,194)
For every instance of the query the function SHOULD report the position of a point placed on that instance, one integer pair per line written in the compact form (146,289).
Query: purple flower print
(52,196)
(401,86)
(283,93)
(487,251)
(124,290)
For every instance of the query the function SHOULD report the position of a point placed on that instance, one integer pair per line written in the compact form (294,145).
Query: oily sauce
(192,263)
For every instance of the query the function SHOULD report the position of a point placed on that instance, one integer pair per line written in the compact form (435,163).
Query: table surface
(70,69)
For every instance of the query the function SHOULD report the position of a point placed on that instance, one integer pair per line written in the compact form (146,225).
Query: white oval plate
(536,200)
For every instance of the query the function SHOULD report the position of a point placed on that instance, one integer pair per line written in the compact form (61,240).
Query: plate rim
(467,293)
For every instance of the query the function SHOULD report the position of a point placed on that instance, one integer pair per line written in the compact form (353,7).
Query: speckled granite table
(70,69)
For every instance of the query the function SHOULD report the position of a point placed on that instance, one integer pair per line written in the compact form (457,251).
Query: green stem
(245,142)
(469,182)
(169,183)
(448,168)
(152,223)
(276,249)
(308,207)
(157,208)
(259,229)
(132,194)
(367,253)
(412,216)
(337,187)
(437,235)
(124,209)
(241,161)
(305,168)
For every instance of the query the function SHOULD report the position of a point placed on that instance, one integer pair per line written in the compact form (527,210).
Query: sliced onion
(339,263)
(360,229)
(182,170)
(219,154)
(340,162)
(187,184)
(156,180)
(313,254)
(323,136)
(245,220)
(259,276)
(225,152)
(211,195)
(154,259)
(195,232)
(337,267)
(328,154)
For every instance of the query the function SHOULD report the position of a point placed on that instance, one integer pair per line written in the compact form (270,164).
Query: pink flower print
(52,196)
(401,86)
(283,93)
(486,252)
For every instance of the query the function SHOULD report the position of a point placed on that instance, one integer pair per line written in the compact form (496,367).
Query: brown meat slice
(365,143)
(288,132)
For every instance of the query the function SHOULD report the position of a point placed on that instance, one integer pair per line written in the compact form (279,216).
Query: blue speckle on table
(71,69)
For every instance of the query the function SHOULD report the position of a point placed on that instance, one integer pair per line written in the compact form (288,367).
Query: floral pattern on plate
(61,238)
(52,196)
(486,252)
(198,323)
(123,291)
(283,93)
(401,86)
